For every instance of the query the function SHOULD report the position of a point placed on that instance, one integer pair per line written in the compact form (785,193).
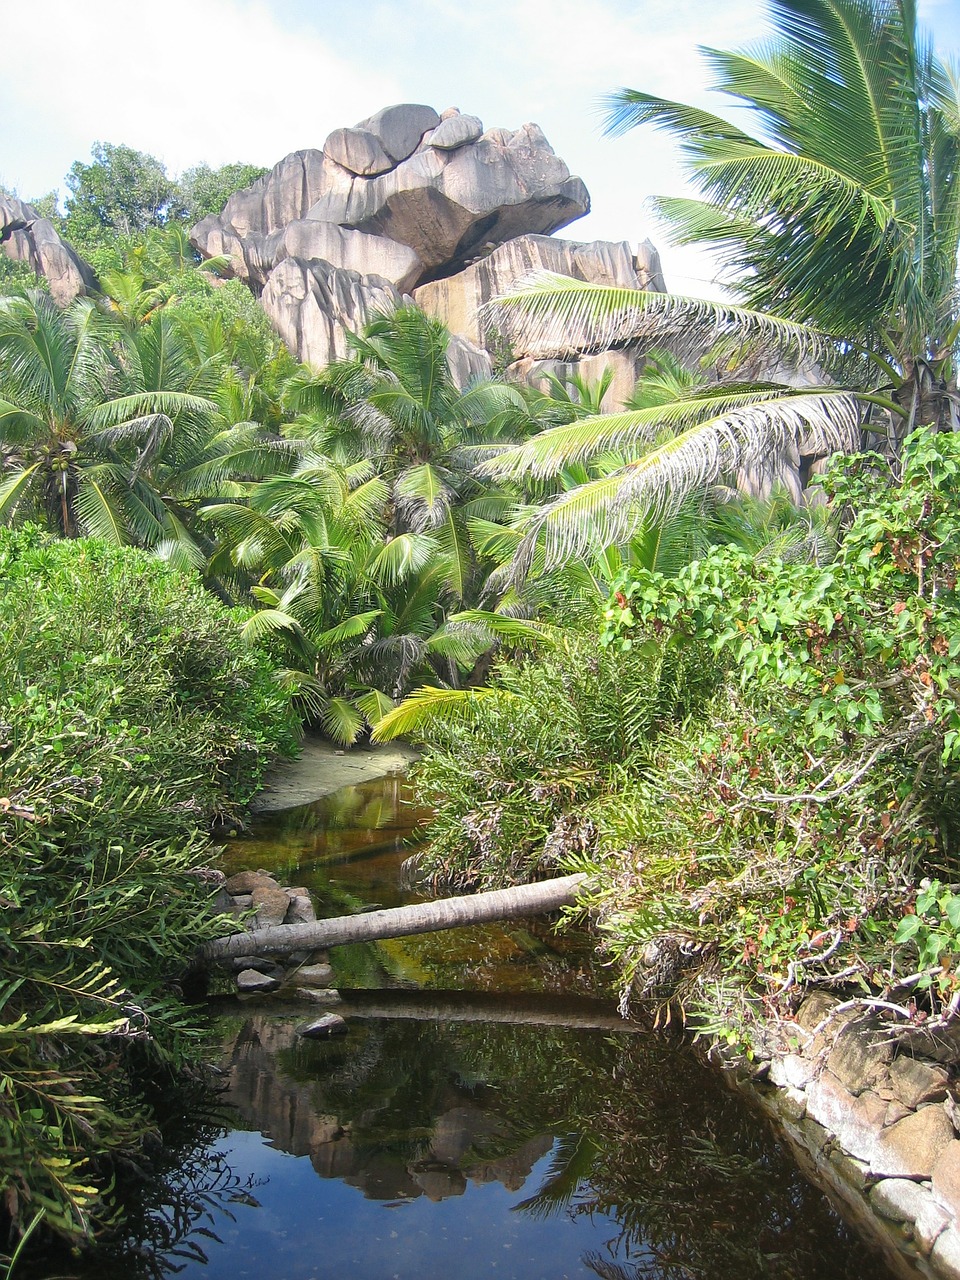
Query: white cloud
(186,80)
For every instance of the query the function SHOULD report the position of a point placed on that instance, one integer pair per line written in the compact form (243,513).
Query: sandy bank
(322,768)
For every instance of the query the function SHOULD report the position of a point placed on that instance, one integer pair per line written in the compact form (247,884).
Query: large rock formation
(26,237)
(408,201)
(412,203)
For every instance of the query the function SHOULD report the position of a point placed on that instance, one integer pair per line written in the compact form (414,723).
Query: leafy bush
(784,834)
(130,715)
(513,785)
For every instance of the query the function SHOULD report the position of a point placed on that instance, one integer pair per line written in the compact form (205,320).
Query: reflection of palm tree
(570,1165)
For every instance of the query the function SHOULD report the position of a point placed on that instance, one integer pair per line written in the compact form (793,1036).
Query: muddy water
(487,1115)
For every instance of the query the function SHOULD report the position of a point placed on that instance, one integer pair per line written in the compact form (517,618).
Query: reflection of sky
(309,1228)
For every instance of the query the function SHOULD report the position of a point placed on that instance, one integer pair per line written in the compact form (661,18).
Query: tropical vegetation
(839,227)
(132,716)
(739,717)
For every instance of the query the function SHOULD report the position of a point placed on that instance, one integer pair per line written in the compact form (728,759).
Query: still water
(486,1116)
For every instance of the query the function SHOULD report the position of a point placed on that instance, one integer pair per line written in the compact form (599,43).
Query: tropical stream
(487,1115)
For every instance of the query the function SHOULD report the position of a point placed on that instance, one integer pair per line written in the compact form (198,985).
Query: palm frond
(424,708)
(550,315)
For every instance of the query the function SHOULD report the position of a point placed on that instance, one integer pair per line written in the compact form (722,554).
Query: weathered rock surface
(453,132)
(458,300)
(254,255)
(26,237)
(312,304)
(283,195)
(252,981)
(358,151)
(443,188)
(399,129)
(447,205)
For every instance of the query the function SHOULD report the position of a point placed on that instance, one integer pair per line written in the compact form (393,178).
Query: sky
(215,81)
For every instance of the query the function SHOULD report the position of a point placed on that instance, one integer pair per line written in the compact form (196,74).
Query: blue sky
(223,80)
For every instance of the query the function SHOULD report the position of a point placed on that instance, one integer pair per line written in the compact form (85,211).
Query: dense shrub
(130,716)
(513,785)
(805,829)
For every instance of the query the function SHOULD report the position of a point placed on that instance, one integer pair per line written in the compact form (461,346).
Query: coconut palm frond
(614,507)
(342,721)
(556,316)
(374,705)
(558,448)
(401,557)
(268,622)
(428,706)
(14,488)
(349,629)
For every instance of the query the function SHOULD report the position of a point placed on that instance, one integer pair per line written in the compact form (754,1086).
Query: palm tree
(395,403)
(78,429)
(839,228)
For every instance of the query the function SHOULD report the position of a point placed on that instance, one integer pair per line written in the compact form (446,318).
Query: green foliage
(783,834)
(122,190)
(130,716)
(204,190)
(934,927)
(516,783)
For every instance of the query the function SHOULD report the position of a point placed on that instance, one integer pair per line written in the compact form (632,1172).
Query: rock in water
(331,1024)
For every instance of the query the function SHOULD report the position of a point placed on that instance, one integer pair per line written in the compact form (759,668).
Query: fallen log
(399,922)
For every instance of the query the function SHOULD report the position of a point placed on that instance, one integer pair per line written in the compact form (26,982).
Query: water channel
(486,1116)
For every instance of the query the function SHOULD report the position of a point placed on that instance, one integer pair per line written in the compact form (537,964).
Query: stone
(624,365)
(34,240)
(254,255)
(856,1120)
(467,362)
(916,1082)
(263,964)
(313,304)
(859,1057)
(792,1069)
(895,1111)
(244,882)
(459,300)
(279,197)
(813,1009)
(242,901)
(315,975)
(455,131)
(399,129)
(319,995)
(942,1044)
(447,205)
(945,1256)
(855,1173)
(791,1102)
(252,981)
(899,1199)
(359,151)
(300,910)
(330,1024)
(928,1225)
(913,1146)
(271,904)
(946,1178)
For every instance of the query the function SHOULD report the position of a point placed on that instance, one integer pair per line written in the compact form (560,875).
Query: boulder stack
(412,203)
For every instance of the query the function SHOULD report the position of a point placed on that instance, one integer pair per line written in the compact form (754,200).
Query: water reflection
(623,1144)
(511,1131)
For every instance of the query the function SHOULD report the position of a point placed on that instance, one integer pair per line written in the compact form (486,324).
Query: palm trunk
(399,922)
